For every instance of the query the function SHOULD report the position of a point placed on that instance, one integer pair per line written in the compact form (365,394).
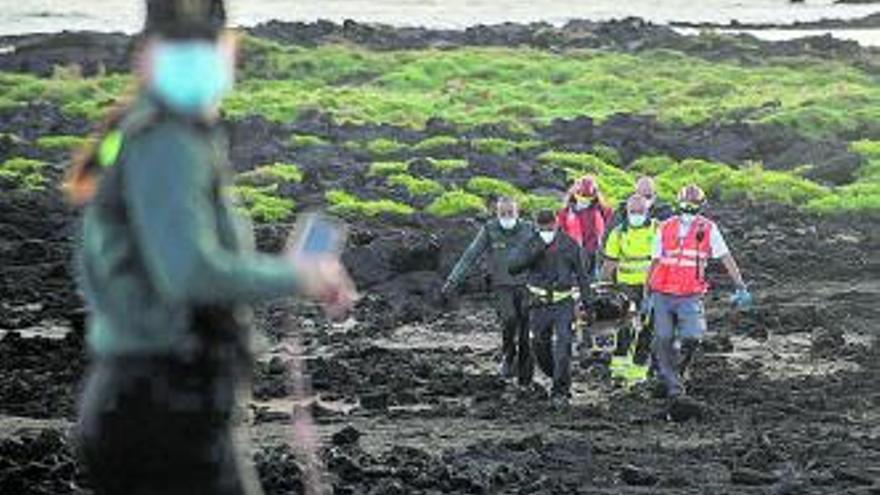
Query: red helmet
(586,187)
(691,194)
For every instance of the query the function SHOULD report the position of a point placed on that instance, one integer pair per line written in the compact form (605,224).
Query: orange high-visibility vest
(681,269)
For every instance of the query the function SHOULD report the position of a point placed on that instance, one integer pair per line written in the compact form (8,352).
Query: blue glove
(742,299)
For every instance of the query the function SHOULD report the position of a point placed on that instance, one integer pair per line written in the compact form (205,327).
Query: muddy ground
(409,397)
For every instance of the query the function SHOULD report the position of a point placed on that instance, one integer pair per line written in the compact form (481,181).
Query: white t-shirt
(716,241)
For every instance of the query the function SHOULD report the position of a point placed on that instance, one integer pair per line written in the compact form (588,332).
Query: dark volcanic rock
(751,477)
(638,476)
(346,436)
(686,408)
(43,463)
(93,53)
(40,376)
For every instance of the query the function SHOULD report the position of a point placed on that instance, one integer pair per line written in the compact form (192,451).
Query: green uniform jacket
(500,243)
(162,239)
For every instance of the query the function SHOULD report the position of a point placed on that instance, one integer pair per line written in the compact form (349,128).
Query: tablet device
(318,234)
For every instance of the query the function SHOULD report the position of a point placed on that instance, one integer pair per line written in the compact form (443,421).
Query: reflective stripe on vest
(553,296)
(635,246)
(682,265)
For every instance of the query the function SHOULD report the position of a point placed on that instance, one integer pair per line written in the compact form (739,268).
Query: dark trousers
(552,328)
(641,348)
(151,426)
(512,305)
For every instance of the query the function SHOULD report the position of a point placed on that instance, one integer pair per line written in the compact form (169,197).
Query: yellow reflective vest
(631,247)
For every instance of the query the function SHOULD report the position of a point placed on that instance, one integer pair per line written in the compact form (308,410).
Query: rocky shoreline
(94,52)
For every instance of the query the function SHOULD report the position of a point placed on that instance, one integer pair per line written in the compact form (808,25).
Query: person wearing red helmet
(683,248)
(585,219)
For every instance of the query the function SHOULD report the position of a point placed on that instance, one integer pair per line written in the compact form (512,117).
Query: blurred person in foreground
(168,271)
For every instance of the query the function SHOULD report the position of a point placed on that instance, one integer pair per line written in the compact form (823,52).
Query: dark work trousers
(625,343)
(159,425)
(552,328)
(592,265)
(512,305)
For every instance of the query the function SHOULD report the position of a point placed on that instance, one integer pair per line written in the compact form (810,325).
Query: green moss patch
(492,188)
(299,141)
(416,186)
(343,203)
(517,87)
(720,180)
(435,144)
(384,148)
(261,203)
(456,203)
(614,183)
(448,165)
(387,168)
(23,173)
(272,174)
(61,143)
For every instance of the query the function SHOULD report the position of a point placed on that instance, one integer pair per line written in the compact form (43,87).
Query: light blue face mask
(191,76)
(637,220)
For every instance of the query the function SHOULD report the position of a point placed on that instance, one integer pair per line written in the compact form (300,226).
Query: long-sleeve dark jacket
(555,267)
(499,243)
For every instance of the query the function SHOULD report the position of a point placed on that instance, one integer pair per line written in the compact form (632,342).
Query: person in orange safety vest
(685,245)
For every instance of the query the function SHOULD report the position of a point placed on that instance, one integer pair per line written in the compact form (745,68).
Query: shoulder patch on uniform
(109,148)
(139,118)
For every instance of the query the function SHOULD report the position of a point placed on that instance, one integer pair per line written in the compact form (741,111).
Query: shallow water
(28,16)
(865,37)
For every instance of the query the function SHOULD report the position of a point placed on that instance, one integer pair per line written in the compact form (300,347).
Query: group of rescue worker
(547,276)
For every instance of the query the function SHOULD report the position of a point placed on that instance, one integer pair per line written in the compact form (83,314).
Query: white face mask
(637,220)
(548,236)
(507,223)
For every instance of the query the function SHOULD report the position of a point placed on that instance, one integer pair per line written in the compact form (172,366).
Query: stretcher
(616,333)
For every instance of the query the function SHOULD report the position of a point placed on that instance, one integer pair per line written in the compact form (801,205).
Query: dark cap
(545,217)
(185,19)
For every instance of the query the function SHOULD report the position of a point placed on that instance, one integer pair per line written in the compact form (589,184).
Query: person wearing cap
(556,276)
(497,239)
(627,258)
(658,209)
(585,218)
(677,280)
(168,270)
